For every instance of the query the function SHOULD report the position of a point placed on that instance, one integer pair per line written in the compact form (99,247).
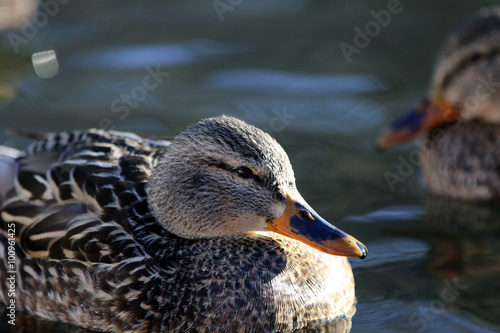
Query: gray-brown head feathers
(467,70)
(220,177)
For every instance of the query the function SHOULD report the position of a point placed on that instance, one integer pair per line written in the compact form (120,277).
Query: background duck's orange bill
(420,120)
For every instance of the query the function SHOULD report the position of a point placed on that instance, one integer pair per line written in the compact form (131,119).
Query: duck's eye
(306,215)
(244,172)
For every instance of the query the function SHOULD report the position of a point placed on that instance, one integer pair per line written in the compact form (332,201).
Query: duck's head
(222,177)
(465,85)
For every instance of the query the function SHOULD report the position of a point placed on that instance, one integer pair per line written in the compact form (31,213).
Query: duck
(207,232)
(460,115)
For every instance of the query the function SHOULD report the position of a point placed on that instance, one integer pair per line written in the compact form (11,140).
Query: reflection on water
(466,250)
(447,269)
(462,219)
(433,264)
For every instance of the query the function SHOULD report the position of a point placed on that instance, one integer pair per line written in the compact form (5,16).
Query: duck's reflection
(465,255)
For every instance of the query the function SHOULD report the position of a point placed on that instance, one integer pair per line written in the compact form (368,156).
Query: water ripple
(266,80)
(140,56)
(396,213)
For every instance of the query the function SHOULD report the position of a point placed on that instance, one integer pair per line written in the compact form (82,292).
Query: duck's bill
(420,120)
(302,223)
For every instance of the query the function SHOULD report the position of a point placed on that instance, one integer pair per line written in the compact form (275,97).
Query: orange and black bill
(420,120)
(301,222)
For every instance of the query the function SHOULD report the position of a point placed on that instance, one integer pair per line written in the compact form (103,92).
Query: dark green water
(433,264)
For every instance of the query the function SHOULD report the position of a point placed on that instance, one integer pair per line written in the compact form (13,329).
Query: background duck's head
(465,85)
(222,177)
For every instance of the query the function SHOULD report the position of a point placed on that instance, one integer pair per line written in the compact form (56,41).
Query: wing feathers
(75,195)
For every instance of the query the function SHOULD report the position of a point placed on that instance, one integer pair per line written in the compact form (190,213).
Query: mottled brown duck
(203,233)
(461,113)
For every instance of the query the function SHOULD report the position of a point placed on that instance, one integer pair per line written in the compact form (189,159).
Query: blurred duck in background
(461,114)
